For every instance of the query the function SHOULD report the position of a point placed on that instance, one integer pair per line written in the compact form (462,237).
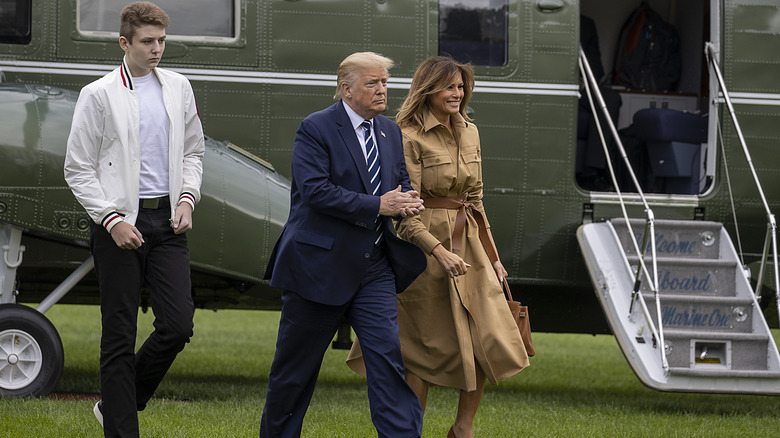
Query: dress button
(367,255)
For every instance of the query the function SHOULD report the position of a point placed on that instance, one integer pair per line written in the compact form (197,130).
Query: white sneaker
(98,411)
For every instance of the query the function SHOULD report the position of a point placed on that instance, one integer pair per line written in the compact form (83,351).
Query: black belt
(155,203)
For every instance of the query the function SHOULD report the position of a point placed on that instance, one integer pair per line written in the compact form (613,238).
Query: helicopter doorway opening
(652,76)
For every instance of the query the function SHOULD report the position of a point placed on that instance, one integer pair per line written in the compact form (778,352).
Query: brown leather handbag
(522,319)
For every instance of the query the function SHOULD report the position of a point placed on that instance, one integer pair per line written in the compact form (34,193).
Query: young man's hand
(127,236)
(182,218)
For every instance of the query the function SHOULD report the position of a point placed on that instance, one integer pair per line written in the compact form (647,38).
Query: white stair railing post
(590,82)
(711,53)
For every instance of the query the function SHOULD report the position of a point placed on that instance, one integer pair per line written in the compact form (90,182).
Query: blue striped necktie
(372,160)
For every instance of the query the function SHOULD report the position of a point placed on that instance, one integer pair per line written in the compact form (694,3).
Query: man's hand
(182,218)
(411,211)
(126,236)
(397,203)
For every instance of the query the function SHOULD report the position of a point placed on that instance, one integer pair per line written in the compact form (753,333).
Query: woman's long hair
(432,76)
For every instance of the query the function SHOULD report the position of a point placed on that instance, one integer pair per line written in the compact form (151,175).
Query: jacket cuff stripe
(189,198)
(110,220)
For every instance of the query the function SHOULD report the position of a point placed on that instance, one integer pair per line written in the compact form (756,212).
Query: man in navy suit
(337,256)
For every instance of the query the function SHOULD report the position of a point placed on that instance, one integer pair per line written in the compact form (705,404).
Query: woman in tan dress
(455,326)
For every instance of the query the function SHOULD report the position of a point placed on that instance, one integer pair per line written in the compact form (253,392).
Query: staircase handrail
(649,236)
(771,234)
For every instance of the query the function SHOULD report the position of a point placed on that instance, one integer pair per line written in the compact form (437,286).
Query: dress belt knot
(458,202)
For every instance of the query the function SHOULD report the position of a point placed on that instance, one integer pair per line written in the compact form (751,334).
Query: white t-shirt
(154,134)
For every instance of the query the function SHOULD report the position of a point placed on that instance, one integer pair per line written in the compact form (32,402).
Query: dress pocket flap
(470,154)
(436,160)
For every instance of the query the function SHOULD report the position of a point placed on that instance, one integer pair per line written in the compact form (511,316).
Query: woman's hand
(500,271)
(452,263)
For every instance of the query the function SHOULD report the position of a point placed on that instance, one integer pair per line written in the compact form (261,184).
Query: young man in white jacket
(134,163)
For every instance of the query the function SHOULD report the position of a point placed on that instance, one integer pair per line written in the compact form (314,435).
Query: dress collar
(431,121)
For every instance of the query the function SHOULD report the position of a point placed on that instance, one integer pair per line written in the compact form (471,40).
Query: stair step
(695,299)
(688,239)
(730,314)
(699,277)
(734,351)
(715,335)
(761,374)
(719,336)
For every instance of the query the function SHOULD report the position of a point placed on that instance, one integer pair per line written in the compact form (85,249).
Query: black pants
(128,379)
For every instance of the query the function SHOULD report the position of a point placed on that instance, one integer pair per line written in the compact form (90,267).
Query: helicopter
(258,67)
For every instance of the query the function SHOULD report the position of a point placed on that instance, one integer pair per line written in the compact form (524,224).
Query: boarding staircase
(675,292)
(715,338)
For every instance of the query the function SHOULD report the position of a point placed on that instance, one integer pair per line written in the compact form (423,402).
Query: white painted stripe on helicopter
(567,87)
(757,101)
(59,71)
(752,98)
(539,91)
(236,76)
(54,67)
(756,95)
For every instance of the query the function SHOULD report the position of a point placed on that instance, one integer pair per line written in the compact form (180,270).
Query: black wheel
(31,356)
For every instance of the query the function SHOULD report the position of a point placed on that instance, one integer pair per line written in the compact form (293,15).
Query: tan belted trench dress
(448,325)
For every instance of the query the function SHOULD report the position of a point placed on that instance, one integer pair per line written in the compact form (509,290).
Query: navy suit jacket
(324,250)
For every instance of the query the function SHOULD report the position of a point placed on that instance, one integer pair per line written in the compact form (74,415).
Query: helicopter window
(191,20)
(15,21)
(474,30)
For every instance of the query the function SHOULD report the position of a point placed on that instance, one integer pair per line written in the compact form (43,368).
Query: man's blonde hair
(350,67)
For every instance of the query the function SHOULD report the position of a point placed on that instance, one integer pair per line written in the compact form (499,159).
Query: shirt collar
(431,121)
(127,78)
(354,118)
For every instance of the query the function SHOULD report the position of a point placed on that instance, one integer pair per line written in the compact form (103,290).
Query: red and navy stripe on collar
(127,78)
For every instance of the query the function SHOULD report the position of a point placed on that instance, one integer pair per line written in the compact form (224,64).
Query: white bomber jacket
(103,162)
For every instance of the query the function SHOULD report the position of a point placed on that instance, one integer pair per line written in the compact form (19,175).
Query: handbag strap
(492,253)
(507,292)
(459,203)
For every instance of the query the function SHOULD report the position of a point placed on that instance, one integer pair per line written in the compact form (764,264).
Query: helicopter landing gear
(31,354)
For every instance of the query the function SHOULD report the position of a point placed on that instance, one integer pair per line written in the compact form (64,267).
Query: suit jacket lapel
(353,146)
(385,156)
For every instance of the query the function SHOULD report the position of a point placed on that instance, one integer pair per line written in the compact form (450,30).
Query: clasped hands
(398,203)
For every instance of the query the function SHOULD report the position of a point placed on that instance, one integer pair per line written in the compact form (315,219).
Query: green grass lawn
(577,386)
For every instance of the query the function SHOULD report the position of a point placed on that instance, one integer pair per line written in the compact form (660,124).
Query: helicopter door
(647,58)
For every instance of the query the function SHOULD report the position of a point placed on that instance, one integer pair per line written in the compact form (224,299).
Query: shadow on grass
(200,386)
(621,392)
(641,400)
